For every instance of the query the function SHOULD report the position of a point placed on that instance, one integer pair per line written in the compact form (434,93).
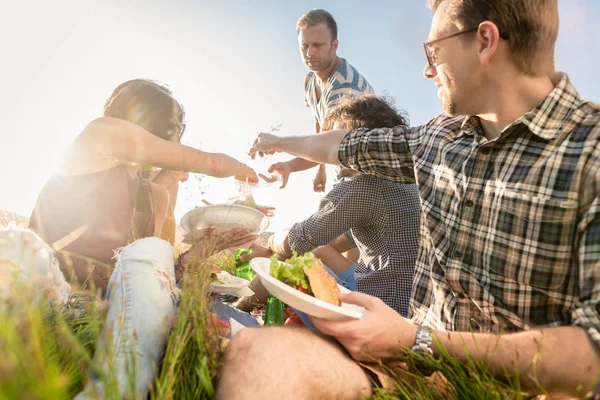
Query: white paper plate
(302,301)
(235,285)
(225,216)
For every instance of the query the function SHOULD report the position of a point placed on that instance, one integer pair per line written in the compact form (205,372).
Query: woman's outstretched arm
(126,141)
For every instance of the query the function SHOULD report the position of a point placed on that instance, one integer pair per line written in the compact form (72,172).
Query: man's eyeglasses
(183,125)
(429,51)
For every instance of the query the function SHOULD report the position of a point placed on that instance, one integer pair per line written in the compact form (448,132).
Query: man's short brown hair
(317,16)
(531,27)
(366,111)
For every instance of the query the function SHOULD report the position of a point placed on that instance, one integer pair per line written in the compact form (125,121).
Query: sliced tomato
(300,288)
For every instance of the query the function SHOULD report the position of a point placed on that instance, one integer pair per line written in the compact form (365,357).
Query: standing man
(508,273)
(330,78)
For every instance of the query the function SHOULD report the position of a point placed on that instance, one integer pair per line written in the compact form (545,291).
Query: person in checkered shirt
(508,273)
(379,217)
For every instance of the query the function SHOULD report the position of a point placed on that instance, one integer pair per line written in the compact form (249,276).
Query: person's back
(387,237)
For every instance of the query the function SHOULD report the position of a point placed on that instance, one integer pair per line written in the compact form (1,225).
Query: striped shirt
(344,81)
(381,219)
(510,228)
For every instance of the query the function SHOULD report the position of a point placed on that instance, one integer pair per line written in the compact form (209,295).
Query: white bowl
(225,217)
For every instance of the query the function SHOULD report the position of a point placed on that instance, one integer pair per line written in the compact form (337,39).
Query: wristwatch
(423,342)
(422,347)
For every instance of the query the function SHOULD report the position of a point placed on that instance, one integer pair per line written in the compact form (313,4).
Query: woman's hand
(208,242)
(245,174)
(213,240)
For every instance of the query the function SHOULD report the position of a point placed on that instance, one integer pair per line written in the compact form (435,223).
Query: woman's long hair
(147,104)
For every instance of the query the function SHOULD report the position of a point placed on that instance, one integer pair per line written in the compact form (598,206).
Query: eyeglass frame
(463,32)
(183,125)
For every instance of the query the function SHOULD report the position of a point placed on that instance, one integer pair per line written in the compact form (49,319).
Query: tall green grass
(45,352)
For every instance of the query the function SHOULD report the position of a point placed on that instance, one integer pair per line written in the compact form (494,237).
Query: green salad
(291,272)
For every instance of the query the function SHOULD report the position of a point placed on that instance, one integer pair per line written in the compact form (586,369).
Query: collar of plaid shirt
(544,121)
(510,230)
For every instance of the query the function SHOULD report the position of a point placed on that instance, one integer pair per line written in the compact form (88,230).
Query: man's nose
(429,72)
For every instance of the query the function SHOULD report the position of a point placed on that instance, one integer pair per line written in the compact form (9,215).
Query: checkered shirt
(510,228)
(383,220)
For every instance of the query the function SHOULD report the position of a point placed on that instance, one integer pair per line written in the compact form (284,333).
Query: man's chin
(449,108)
(314,67)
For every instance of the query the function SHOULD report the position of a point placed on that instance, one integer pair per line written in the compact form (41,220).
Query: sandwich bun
(322,284)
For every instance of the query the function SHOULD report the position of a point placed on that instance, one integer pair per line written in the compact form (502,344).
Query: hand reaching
(281,168)
(257,251)
(320,180)
(246,174)
(264,144)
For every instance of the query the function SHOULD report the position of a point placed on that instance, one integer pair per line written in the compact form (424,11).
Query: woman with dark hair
(100,201)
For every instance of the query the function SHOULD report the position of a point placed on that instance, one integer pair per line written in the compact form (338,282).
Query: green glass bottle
(243,269)
(274,314)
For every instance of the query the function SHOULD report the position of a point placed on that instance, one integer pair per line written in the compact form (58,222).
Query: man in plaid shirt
(509,180)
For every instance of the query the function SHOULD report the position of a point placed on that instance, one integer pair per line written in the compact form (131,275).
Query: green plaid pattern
(510,228)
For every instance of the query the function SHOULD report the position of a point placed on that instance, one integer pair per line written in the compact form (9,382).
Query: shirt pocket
(533,238)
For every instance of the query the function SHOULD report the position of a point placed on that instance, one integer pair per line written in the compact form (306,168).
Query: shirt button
(485,151)
(469,203)
(457,254)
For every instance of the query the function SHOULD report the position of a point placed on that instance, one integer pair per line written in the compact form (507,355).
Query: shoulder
(346,74)
(308,77)
(359,188)
(591,116)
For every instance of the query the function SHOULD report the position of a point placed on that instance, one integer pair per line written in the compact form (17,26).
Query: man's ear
(334,45)
(488,37)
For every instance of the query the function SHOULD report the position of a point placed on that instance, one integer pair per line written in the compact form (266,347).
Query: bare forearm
(332,258)
(300,164)
(321,148)
(129,142)
(558,359)
(165,178)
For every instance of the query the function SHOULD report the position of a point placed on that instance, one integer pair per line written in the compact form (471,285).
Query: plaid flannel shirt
(510,228)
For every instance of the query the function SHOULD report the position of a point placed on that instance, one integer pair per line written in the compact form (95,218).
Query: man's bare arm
(322,148)
(557,359)
(300,164)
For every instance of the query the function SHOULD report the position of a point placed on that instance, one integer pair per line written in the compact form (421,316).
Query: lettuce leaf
(292,270)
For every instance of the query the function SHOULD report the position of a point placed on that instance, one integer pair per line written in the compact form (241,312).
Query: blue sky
(234,64)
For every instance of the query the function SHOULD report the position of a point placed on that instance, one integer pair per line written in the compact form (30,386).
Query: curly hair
(368,111)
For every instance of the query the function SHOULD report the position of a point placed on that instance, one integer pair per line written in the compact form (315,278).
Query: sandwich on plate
(307,274)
